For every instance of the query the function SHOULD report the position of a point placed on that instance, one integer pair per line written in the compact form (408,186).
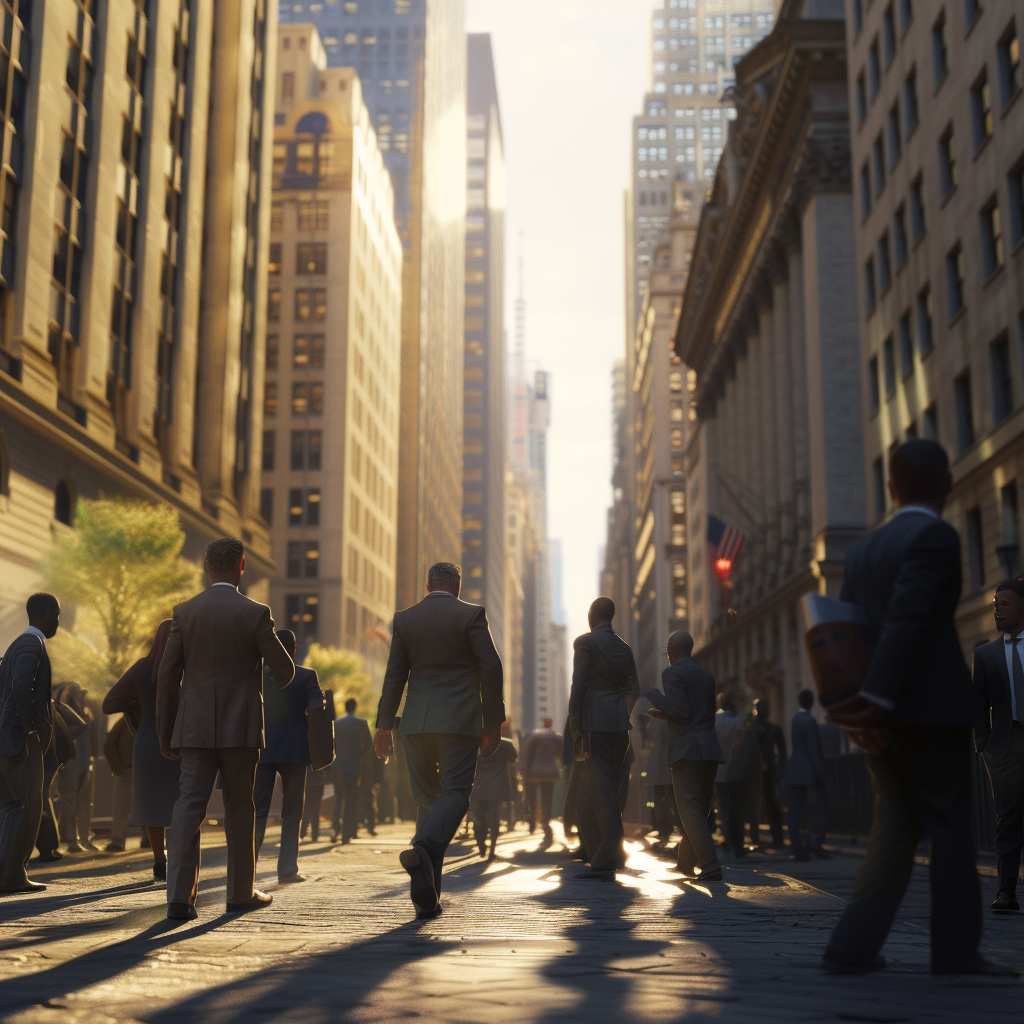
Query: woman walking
(156,779)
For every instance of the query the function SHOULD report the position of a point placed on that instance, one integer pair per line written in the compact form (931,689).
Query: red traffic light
(723,569)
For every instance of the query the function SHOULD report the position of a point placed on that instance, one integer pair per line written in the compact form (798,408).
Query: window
(269,448)
(301,613)
(947,161)
(861,95)
(307,398)
(865,190)
(911,113)
(1009,64)
(874,70)
(304,506)
(858,15)
(62,504)
(925,336)
(955,272)
(308,351)
(1002,379)
(303,559)
(930,423)
(869,285)
(972,8)
(906,337)
(964,411)
(310,303)
(273,305)
(981,110)
(305,449)
(878,164)
(889,366)
(277,211)
(906,9)
(917,221)
(880,489)
(888,35)
(270,399)
(1015,190)
(884,266)
(1010,516)
(940,52)
(288,85)
(893,131)
(975,548)
(991,239)
(274,260)
(313,214)
(311,258)
(899,236)
(874,392)
(271,352)
(267,505)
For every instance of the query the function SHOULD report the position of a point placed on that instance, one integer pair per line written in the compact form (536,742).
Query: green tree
(121,567)
(342,671)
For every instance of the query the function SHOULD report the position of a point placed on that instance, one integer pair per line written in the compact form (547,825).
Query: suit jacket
(994,730)
(492,774)
(443,649)
(742,755)
(906,577)
(604,682)
(284,711)
(772,741)
(806,765)
(541,749)
(690,698)
(351,740)
(210,682)
(24,694)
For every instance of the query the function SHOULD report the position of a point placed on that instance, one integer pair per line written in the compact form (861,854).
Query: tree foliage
(121,567)
(342,671)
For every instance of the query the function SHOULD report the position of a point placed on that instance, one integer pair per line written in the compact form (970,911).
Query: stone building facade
(136,199)
(938,157)
(769,326)
(331,399)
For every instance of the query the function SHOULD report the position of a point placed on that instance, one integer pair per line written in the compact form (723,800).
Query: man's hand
(382,745)
(857,712)
(165,749)
(655,713)
(490,740)
(575,727)
(871,740)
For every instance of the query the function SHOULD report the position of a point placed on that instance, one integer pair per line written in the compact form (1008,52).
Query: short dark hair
(288,641)
(443,575)
(350,705)
(39,604)
(682,641)
(224,555)
(919,470)
(1017,586)
(602,610)
(806,699)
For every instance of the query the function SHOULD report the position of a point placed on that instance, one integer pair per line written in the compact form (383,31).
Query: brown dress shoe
(259,899)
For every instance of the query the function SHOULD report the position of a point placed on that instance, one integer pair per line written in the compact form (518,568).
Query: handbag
(321,737)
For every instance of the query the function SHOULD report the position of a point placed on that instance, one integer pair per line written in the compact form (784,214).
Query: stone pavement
(521,939)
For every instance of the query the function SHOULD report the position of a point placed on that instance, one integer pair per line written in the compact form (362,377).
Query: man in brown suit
(209,713)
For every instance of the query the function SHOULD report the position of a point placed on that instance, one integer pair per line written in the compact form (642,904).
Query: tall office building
(937,128)
(331,398)
(483,446)
(136,191)
(411,59)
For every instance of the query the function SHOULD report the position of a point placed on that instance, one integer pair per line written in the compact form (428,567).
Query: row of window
(307,398)
(307,351)
(303,506)
(310,258)
(305,451)
(310,304)
(312,215)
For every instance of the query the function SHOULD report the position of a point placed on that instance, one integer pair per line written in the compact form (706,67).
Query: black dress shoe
(114,848)
(422,890)
(258,901)
(862,967)
(1004,903)
(160,872)
(181,912)
(46,858)
(427,915)
(28,886)
(710,876)
(979,965)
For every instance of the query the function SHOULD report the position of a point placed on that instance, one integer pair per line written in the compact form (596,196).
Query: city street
(521,939)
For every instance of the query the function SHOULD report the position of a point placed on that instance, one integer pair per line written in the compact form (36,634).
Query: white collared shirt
(1009,668)
(917,508)
(37,632)
(223,584)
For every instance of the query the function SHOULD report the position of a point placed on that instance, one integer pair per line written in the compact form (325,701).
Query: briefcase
(839,646)
(321,738)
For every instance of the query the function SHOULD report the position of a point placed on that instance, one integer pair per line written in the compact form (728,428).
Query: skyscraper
(411,59)
(134,266)
(483,451)
(330,438)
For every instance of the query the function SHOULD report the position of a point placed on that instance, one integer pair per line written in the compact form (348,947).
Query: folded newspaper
(838,646)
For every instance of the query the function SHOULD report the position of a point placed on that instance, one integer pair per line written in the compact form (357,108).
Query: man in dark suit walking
(351,740)
(913,714)
(209,714)
(999,736)
(539,765)
(604,690)
(694,753)
(25,731)
(772,742)
(804,783)
(443,650)
(286,754)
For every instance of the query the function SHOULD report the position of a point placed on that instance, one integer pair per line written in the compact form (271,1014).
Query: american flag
(723,541)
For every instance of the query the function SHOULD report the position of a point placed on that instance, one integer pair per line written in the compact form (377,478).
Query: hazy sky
(571,75)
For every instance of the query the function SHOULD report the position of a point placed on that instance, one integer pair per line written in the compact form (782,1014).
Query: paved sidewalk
(522,939)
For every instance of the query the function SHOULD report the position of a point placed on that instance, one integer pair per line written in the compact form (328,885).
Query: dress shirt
(37,632)
(917,508)
(1009,643)
(224,584)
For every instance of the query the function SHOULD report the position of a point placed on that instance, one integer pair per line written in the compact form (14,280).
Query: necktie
(1018,682)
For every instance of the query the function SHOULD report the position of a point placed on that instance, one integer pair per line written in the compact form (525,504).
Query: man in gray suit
(209,714)
(803,782)
(351,741)
(694,753)
(443,650)
(25,732)
(604,690)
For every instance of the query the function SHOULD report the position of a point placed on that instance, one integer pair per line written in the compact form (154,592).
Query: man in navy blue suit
(286,754)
